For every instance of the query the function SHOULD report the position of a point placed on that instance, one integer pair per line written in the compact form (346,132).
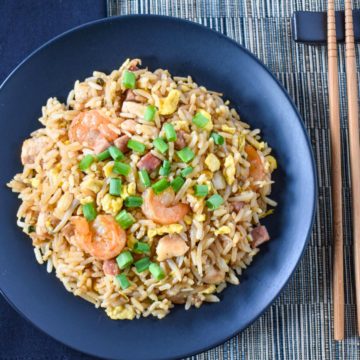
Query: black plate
(215,62)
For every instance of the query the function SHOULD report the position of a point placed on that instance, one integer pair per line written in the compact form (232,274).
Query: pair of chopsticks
(354,148)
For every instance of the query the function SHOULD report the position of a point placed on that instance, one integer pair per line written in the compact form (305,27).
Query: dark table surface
(24,26)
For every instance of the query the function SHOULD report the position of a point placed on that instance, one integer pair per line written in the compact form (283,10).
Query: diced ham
(180,142)
(259,235)
(238,205)
(110,267)
(122,142)
(149,162)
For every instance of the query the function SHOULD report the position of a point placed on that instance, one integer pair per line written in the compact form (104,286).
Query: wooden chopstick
(334,113)
(353,111)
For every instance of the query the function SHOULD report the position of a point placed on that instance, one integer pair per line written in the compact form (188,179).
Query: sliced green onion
(121,168)
(142,264)
(86,162)
(177,183)
(103,155)
(149,113)
(201,190)
(124,260)
(123,281)
(188,170)
(160,185)
(165,168)
(124,219)
(136,146)
(115,187)
(141,247)
(129,79)
(133,201)
(156,271)
(161,145)
(214,202)
(115,153)
(200,120)
(144,178)
(89,211)
(218,139)
(170,132)
(31,229)
(186,154)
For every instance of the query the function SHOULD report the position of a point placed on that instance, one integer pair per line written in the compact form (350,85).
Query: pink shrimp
(160,208)
(103,238)
(90,128)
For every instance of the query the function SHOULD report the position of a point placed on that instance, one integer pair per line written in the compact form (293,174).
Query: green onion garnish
(142,264)
(177,183)
(170,132)
(115,187)
(188,170)
(115,153)
(133,201)
(121,168)
(123,281)
(186,154)
(89,211)
(218,139)
(161,145)
(103,155)
(124,260)
(124,219)
(141,247)
(144,178)
(160,185)
(156,271)
(165,168)
(200,120)
(214,202)
(128,79)
(149,113)
(136,146)
(86,162)
(201,190)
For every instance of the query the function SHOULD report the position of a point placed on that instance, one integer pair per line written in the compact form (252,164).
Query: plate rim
(294,108)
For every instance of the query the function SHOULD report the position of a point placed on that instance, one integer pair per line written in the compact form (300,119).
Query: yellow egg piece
(169,104)
(212,162)
(229,169)
(111,204)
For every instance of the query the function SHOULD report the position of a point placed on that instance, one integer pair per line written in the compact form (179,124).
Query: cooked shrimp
(92,129)
(103,238)
(159,208)
(256,166)
(32,147)
(170,246)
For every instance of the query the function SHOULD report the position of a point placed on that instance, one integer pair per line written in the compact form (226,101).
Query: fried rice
(211,242)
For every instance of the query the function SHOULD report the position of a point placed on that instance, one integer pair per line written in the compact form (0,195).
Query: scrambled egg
(128,190)
(187,220)
(242,141)
(169,104)
(229,169)
(228,129)
(92,184)
(209,126)
(223,230)
(131,240)
(107,169)
(111,204)
(212,162)
(35,183)
(120,313)
(181,125)
(167,229)
(209,290)
(272,162)
(200,217)
(86,200)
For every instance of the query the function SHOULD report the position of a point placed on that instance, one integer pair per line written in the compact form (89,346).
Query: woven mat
(299,324)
